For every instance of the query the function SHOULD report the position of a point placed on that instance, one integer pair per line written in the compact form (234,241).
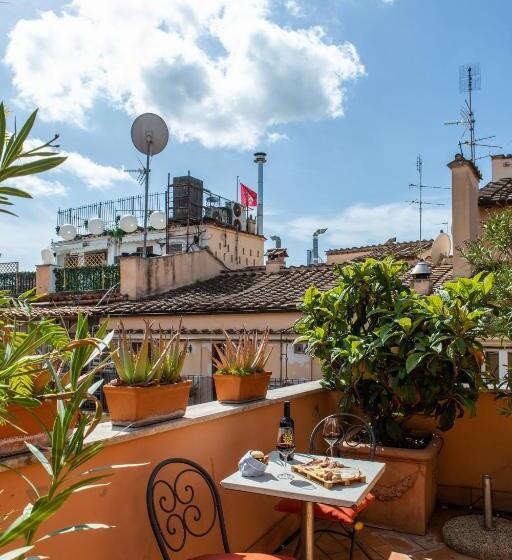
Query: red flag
(247,196)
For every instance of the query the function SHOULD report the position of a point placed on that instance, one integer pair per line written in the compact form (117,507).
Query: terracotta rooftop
(245,291)
(496,193)
(399,250)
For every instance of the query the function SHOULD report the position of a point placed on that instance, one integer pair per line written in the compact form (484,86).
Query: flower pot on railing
(141,405)
(26,425)
(241,388)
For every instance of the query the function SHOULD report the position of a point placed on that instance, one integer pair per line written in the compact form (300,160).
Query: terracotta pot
(138,406)
(241,388)
(33,422)
(406,493)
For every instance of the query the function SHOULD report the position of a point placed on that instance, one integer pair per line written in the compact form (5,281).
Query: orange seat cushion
(242,556)
(323,511)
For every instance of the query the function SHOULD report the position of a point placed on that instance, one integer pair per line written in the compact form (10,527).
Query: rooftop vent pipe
(260,159)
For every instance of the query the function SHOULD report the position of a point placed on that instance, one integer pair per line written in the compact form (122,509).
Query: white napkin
(249,466)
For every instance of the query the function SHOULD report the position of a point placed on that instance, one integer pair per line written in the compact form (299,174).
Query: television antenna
(470,80)
(420,186)
(150,136)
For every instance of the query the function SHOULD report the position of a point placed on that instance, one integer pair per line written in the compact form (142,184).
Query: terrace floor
(392,545)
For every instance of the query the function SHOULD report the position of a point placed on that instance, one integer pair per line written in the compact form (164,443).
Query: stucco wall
(143,277)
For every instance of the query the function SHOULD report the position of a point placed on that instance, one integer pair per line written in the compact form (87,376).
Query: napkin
(249,466)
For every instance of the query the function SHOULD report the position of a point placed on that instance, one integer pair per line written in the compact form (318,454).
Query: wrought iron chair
(175,513)
(354,431)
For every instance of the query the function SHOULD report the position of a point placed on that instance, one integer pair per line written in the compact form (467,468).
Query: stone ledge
(194,414)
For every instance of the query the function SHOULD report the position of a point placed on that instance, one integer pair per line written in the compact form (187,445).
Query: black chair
(175,514)
(355,431)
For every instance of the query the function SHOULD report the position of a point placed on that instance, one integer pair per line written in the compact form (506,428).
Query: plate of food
(329,472)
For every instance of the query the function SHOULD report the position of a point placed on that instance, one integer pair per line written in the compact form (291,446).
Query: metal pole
(146,193)
(308,534)
(315,248)
(487,491)
(260,159)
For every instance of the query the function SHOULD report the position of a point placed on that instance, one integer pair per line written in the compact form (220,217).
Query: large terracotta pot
(406,493)
(138,406)
(241,388)
(34,422)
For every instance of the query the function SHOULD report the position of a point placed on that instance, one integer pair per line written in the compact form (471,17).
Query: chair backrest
(354,431)
(174,496)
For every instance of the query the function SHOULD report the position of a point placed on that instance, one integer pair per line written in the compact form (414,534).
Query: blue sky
(342,94)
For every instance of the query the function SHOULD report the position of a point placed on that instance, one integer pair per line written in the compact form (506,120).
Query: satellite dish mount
(150,136)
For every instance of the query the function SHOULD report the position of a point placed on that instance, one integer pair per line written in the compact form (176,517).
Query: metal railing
(87,278)
(17,283)
(182,203)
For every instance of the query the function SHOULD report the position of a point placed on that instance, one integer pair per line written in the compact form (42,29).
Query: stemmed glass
(286,446)
(332,433)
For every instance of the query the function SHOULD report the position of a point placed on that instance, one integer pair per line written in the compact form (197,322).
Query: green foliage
(155,361)
(245,356)
(393,352)
(12,153)
(87,278)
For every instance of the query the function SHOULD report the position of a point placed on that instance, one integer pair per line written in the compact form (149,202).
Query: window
(149,251)
(258,254)
(243,250)
(299,348)
(493,359)
(231,258)
(220,245)
(250,252)
(71,261)
(246,260)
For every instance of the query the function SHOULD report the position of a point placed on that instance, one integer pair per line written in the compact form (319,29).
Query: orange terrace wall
(213,435)
(216,436)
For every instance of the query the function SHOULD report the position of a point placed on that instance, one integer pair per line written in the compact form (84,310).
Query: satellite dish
(157,220)
(128,223)
(95,226)
(441,248)
(149,134)
(67,232)
(47,256)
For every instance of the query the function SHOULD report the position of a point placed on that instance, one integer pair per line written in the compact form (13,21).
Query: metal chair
(175,514)
(354,432)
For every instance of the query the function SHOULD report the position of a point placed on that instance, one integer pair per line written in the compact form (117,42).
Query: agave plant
(244,356)
(174,354)
(155,361)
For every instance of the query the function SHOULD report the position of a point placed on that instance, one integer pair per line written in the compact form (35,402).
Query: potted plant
(149,387)
(33,355)
(240,368)
(396,356)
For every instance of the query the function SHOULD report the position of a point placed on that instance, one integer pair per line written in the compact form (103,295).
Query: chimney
(260,159)
(465,219)
(276,259)
(421,276)
(501,167)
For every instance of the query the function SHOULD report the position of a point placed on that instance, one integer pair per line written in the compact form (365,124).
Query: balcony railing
(87,278)
(17,282)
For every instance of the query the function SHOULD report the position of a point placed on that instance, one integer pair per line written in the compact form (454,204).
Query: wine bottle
(286,422)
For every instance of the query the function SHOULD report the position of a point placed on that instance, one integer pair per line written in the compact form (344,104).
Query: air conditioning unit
(239,213)
(218,214)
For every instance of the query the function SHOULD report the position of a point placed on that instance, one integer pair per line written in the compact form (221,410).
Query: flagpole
(237,187)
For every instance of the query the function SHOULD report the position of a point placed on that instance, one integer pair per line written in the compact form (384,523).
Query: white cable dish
(441,248)
(67,232)
(128,223)
(157,220)
(95,226)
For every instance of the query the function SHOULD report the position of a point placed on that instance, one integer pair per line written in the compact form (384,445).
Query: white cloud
(94,175)
(293,7)
(362,224)
(273,137)
(220,72)
(37,186)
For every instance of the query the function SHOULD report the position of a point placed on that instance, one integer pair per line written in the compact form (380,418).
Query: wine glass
(286,446)
(332,433)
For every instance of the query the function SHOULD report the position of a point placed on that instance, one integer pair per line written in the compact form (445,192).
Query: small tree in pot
(394,353)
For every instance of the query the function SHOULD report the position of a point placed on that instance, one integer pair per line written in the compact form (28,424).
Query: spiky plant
(155,361)
(244,356)
(174,353)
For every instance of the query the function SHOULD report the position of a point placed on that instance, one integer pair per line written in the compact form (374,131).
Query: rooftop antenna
(150,136)
(470,80)
(420,186)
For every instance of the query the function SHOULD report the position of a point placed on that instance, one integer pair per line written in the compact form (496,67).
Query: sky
(342,95)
